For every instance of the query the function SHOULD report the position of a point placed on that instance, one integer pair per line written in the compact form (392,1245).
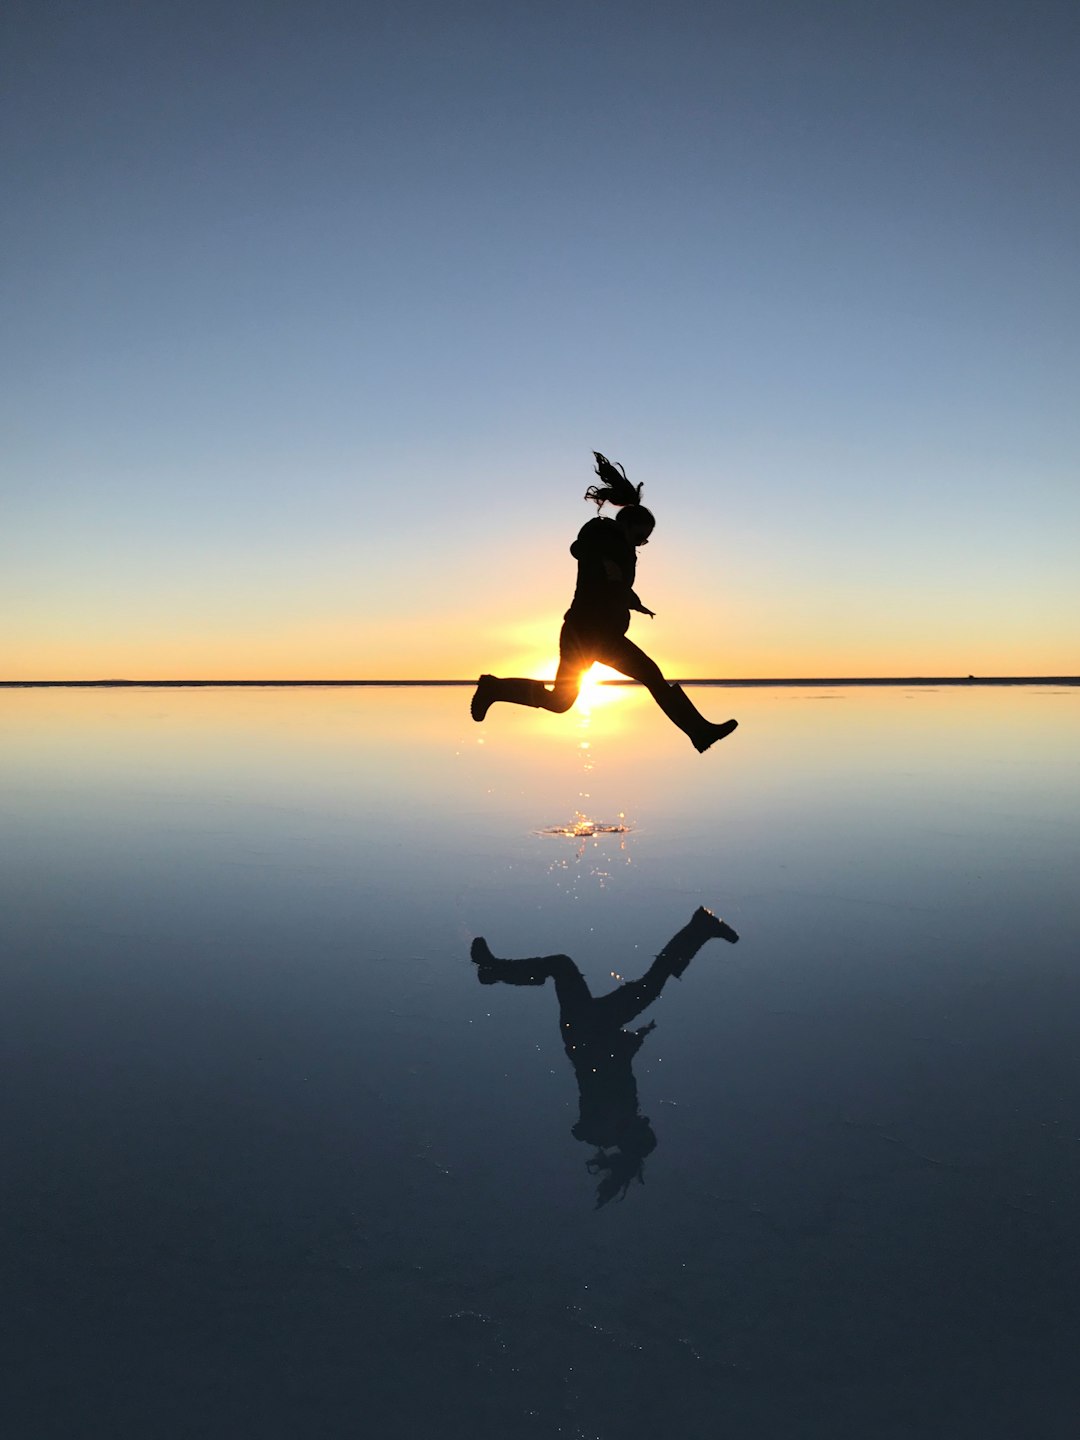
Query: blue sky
(313,314)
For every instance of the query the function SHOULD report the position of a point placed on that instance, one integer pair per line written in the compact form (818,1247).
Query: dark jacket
(603,603)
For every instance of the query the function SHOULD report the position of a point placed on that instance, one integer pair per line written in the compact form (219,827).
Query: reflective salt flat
(266,1131)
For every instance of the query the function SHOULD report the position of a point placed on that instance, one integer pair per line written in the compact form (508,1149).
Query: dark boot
(678,707)
(490,688)
(682,948)
(490,970)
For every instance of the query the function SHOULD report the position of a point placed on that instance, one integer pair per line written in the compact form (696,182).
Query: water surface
(278,1164)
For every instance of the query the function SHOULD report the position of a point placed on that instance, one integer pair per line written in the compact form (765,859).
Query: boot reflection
(600,1049)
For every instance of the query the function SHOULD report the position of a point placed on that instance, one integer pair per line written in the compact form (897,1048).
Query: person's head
(637,523)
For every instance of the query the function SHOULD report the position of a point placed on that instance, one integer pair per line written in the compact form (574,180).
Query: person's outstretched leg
(678,706)
(620,1006)
(681,948)
(622,654)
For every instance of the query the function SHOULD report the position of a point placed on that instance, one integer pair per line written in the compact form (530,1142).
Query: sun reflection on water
(587,831)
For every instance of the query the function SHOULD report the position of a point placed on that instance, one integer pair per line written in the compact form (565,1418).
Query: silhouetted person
(600,1050)
(595,626)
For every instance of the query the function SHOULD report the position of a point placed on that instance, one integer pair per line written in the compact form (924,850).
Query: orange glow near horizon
(460,646)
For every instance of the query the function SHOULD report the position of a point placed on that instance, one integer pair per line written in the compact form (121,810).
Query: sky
(313,313)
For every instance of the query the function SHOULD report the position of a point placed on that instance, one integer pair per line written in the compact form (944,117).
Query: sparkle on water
(582,828)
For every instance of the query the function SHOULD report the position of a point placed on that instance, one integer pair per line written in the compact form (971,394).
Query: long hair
(623,1165)
(615,488)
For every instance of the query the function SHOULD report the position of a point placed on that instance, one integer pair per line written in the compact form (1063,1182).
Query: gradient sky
(314,312)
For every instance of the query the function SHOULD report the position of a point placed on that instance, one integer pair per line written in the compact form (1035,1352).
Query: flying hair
(616,488)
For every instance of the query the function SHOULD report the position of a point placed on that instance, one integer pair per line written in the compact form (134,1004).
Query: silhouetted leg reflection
(628,1001)
(599,1049)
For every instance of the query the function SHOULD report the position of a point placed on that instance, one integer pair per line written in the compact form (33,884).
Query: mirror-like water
(293,1149)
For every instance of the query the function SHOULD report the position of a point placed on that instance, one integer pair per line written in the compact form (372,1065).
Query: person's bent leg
(534,693)
(491,970)
(567,687)
(573,662)
(575,657)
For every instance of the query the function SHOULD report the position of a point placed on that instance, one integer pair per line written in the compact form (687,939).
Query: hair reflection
(600,1049)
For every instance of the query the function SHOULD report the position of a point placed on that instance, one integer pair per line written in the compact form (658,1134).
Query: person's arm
(615,575)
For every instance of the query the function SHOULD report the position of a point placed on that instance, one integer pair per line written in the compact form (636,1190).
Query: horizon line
(119,684)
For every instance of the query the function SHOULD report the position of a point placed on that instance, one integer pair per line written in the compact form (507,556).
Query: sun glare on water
(594,692)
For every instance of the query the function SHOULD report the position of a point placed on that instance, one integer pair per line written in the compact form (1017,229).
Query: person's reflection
(600,1050)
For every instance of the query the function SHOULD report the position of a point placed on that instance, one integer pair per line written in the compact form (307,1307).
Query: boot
(703,927)
(490,688)
(490,970)
(680,709)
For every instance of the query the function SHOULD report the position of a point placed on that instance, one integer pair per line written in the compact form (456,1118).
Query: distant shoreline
(816,682)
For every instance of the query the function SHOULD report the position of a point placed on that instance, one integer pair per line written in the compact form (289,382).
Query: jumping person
(595,626)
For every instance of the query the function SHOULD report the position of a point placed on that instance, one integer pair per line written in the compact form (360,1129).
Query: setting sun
(593,690)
